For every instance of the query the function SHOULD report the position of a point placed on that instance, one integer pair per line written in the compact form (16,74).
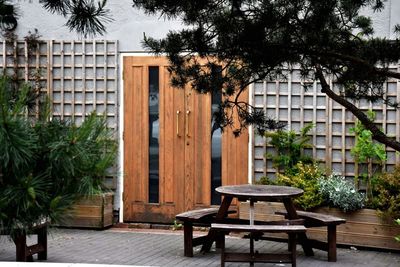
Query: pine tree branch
(356,60)
(377,134)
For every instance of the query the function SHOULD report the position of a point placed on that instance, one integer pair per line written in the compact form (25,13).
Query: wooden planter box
(91,212)
(363,228)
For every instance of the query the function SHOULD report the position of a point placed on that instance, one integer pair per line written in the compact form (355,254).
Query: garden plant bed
(363,228)
(91,212)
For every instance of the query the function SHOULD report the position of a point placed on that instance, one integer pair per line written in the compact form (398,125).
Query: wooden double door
(173,156)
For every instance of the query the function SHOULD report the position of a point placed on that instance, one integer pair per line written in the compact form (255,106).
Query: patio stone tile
(165,248)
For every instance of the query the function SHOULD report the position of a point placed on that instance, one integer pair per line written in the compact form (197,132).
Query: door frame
(118,201)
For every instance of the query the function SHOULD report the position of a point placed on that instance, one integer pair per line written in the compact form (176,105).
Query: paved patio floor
(165,248)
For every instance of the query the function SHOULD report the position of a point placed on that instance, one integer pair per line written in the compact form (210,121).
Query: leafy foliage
(306,177)
(367,151)
(386,194)
(8,16)
(397,237)
(87,17)
(258,40)
(230,44)
(45,164)
(289,147)
(340,193)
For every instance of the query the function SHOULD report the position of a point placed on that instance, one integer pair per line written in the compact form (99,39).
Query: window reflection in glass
(216,150)
(154,135)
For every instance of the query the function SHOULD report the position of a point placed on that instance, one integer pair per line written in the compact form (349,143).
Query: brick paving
(165,248)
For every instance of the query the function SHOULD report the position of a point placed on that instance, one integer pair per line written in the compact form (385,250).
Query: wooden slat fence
(290,101)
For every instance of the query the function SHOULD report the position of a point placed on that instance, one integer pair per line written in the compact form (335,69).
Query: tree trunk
(377,134)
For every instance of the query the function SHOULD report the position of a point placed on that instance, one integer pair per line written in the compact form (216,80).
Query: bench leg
(20,246)
(42,240)
(222,243)
(332,243)
(305,243)
(188,239)
(218,240)
(292,246)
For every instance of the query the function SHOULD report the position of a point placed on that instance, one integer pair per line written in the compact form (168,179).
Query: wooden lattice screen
(288,101)
(78,76)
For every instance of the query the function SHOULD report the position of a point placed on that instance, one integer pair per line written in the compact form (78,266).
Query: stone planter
(363,228)
(91,212)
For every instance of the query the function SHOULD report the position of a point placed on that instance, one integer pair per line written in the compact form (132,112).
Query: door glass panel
(154,124)
(216,150)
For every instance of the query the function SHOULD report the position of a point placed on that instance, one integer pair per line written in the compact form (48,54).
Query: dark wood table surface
(254,193)
(259,192)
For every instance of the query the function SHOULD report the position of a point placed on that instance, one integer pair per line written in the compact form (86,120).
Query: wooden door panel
(235,155)
(172,144)
(200,106)
(135,187)
(184,146)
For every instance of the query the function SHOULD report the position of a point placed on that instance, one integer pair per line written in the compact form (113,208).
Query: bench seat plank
(320,219)
(195,215)
(259,228)
(259,257)
(198,215)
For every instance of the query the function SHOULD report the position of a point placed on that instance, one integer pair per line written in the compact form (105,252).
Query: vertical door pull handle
(177,123)
(187,123)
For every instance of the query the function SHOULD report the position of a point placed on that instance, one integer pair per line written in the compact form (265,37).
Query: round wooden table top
(259,192)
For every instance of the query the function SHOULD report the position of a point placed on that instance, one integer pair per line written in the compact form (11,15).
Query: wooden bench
(287,257)
(24,252)
(312,219)
(201,218)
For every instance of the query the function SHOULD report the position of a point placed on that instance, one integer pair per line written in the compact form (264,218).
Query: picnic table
(254,193)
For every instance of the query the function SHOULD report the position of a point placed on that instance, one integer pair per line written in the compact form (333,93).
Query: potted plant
(45,165)
(364,227)
(95,151)
(368,223)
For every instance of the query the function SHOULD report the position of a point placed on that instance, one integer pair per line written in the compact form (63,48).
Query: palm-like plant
(289,147)
(45,164)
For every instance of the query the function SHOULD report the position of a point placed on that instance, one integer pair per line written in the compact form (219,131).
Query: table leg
(302,237)
(251,211)
(251,248)
(222,213)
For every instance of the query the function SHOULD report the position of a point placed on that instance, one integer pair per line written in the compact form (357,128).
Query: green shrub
(306,177)
(340,193)
(266,181)
(397,237)
(386,194)
(46,164)
(289,147)
(367,153)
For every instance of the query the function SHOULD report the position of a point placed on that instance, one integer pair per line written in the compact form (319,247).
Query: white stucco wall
(128,26)
(385,20)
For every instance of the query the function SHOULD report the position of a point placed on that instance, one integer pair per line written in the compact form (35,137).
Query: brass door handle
(187,123)
(177,122)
